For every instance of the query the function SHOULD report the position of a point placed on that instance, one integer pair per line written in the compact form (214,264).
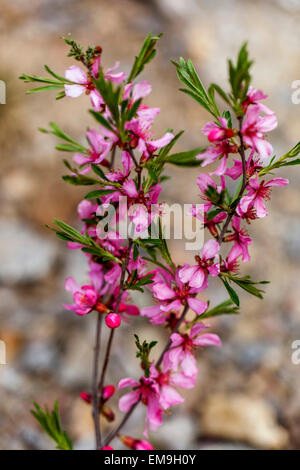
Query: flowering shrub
(125,162)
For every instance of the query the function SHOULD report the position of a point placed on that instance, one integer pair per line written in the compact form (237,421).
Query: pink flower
(140,131)
(84,84)
(241,241)
(121,174)
(85,297)
(219,150)
(136,92)
(171,294)
(99,150)
(107,448)
(146,390)
(167,380)
(201,213)
(183,348)
(253,129)
(253,165)
(253,96)
(113,320)
(257,193)
(204,181)
(109,75)
(216,133)
(197,276)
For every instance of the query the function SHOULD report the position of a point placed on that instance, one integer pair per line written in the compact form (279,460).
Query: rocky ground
(248,393)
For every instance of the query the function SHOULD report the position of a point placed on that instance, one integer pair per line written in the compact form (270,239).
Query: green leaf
(145,55)
(188,76)
(66,232)
(68,148)
(58,132)
(44,88)
(232,294)
(98,116)
(239,77)
(135,252)
(186,158)
(214,87)
(79,180)
(50,423)
(97,170)
(228,307)
(99,193)
(143,352)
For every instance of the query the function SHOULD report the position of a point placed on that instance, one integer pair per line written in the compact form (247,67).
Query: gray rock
(40,357)
(25,256)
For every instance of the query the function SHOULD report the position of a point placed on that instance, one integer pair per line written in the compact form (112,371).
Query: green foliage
(224,308)
(232,294)
(288,159)
(186,158)
(228,307)
(145,55)
(218,199)
(188,76)
(239,77)
(71,146)
(76,51)
(50,423)
(55,83)
(156,166)
(67,233)
(80,180)
(143,353)
(137,283)
(245,283)
(99,193)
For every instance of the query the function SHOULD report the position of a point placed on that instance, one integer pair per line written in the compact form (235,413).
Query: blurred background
(248,392)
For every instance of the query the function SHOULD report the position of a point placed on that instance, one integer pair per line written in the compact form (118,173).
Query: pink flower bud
(113,320)
(143,445)
(108,392)
(85,396)
(135,444)
(107,448)
(108,413)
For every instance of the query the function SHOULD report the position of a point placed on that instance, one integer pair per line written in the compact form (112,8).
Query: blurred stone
(25,256)
(177,432)
(13,340)
(40,357)
(243,418)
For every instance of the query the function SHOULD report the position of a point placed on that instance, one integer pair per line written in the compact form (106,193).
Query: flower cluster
(125,163)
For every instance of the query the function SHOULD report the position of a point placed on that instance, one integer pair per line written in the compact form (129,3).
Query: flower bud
(113,320)
(108,413)
(107,448)
(107,392)
(135,444)
(85,396)
(101,308)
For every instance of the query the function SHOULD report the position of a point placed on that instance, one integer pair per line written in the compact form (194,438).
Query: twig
(175,329)
(112,161)
(113,434)
(111,336)
(244,184)
(95,395)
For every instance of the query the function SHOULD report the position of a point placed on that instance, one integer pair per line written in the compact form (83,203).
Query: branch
(111,336)
(95,395)
(243,187)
